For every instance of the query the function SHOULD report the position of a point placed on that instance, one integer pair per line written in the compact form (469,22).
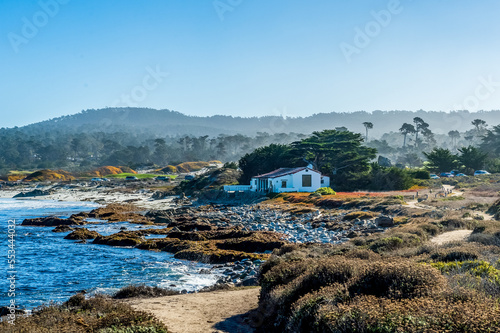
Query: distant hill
(161,123)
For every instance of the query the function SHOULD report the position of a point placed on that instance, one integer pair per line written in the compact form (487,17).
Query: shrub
(478,268)
(421,174)
(454,255)
(96,314)
(325,191)
(143,291)
(360,215)
(387,244)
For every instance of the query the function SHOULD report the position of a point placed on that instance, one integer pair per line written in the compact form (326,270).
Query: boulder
(164,219)
(34,193)
(50,221)
(384,221)
(63,228)
(82,233)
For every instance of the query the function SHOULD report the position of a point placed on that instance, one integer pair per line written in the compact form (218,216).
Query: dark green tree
(454,135)
(405,130)
(368,126)
(441,160)
(266,159)
(491,141)
(472,158)
(339,154)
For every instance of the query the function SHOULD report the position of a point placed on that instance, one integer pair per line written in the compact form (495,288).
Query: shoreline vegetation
(376,261)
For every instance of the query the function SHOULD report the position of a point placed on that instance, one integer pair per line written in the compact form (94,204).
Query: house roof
(282,172)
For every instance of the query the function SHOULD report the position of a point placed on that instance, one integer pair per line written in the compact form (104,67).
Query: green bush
(325,191)
(421,174)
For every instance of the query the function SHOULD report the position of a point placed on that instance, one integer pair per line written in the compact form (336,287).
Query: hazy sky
(247,57)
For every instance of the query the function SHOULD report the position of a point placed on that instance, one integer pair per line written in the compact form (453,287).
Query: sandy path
(218,311)
(451,236)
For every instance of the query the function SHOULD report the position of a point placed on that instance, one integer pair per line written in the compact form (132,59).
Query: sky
(247,57)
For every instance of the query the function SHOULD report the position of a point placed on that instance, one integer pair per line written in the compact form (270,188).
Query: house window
(255,182)
(306,181)
(283,184)
(322,181)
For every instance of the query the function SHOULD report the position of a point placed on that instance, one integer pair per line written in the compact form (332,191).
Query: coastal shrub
(49,175)
(325,191)
(454,255)
(495,210)
(367,313)
(143,291)
(78,314)
(387,244)
(397,280)
(168,169)
(191,166)
(480,268)
(360,215)
(297,305)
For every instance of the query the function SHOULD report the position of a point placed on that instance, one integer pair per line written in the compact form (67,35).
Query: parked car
(433,176)
(163,178)
(96,180)
(481,172)
(189,177)
(446,174)
(131,178)
(460,175)
(105,179)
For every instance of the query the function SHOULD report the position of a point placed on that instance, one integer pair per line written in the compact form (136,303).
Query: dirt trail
(451,236)
(218,311)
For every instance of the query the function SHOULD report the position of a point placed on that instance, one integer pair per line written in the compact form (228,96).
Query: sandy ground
(451,236)
(218,311)
(103,196)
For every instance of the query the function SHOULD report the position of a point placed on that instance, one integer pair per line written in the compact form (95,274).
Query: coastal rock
(63,228)
(34,193)
(164,219)
(119,213)
(122,238)
(384,221)
(82,233)
(50,221)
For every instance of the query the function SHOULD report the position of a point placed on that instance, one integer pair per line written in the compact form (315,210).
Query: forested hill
(161,123)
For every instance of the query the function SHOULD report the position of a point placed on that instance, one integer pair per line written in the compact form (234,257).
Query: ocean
(49,268)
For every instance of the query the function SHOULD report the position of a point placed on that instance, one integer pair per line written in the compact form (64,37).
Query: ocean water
(50,268)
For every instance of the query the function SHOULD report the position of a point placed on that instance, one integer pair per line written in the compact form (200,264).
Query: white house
(303,179)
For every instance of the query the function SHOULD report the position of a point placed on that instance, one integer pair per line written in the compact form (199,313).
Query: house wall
(315,180)
(294,182)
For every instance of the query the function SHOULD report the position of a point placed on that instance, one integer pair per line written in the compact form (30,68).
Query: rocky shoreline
(235,239)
